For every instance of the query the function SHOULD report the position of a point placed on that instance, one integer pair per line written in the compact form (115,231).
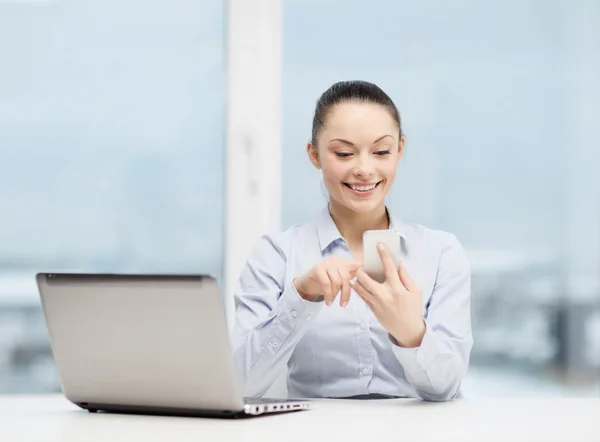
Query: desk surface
(52,418)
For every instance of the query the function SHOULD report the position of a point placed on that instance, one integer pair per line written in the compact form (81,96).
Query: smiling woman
(408,336)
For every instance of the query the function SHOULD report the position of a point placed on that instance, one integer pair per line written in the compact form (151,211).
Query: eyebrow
(349,143)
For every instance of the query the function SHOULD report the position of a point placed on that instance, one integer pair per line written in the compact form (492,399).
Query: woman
(304,302)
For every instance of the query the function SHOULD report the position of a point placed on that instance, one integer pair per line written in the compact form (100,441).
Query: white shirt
(343,352)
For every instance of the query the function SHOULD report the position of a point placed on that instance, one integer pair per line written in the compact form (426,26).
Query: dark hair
(357,91)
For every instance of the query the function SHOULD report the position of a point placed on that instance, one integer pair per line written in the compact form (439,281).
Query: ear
(401,148)
(313,155)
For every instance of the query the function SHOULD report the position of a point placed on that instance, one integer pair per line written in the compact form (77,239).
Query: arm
(270,318)
(437,367)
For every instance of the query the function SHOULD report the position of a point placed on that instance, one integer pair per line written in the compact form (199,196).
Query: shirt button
(363,326)
(422,357)
(294,313)
(365,371)
(275,344)
(308,318)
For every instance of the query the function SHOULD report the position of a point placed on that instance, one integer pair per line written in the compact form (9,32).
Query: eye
(383,153)
(343,154)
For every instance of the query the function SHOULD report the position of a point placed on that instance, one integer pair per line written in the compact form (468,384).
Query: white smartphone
(372,263)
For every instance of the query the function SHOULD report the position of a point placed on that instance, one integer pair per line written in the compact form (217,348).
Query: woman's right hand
(327,279)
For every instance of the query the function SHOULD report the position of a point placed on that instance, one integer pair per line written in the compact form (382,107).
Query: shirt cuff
(294,310)
(416,361)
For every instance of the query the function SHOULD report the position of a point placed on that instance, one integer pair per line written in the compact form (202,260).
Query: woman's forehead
(366,119)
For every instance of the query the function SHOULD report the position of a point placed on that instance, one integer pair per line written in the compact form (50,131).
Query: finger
(345,296)
(363,292)
(367,282)
(353,265)
(325,284)
(336,282)
(406,280)
(389,267)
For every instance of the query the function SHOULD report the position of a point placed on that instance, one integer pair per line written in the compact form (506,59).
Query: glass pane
(111,142)
(497,100)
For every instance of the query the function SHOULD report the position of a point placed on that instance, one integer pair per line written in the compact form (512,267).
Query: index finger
(345,291)
(389,267)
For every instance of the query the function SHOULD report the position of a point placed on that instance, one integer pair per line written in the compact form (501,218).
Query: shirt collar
(329,233)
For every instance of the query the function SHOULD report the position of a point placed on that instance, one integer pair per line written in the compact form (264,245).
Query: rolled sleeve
(291,307)
(416,361)
(270,318)
(437,367)
(291,317)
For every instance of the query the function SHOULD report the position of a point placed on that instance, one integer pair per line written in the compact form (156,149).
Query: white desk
(52,418)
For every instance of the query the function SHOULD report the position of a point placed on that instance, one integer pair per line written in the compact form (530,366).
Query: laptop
(149,344)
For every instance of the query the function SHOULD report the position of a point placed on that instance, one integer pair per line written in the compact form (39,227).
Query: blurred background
(113,123)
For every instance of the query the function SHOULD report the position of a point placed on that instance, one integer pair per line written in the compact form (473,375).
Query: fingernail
(328,303)
(351,282)
(380,246)
(344,304)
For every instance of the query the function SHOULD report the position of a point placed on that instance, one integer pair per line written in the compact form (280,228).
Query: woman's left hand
(396,303)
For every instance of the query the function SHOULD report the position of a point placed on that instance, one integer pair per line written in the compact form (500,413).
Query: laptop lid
(141,340)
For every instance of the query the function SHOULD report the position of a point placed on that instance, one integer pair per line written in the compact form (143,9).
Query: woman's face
(358,149)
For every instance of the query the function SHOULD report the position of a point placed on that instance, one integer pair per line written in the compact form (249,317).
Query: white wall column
(253,156)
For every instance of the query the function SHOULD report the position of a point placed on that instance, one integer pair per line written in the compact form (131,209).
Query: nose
(364,167)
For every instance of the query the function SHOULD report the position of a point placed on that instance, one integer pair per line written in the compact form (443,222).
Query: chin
(363,207)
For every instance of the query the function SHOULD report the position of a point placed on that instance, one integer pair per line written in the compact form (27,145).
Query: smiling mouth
(364,188)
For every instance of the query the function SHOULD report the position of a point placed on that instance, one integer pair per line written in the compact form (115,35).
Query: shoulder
(284,242)
(419,233)
(441,246)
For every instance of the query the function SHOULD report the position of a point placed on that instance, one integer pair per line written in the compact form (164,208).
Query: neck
(352,225)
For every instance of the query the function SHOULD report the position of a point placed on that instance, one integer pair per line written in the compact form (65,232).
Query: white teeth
(363,188)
